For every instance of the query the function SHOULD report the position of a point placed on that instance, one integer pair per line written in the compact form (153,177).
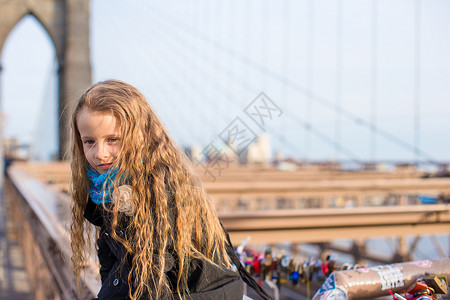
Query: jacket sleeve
(106,257)
(93,213)
(114,268)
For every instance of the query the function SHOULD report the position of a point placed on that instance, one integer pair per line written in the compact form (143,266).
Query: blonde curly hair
(161,179)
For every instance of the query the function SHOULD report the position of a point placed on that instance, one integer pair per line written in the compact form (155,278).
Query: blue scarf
(99,191)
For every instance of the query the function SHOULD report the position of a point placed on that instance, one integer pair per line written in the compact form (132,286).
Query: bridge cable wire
(171,84)
(285,62)
(180,59)
(309,72)
(45,105)
(231,76)
(417,73)
(152,57)
(305,125)
(223,89)
(339,59)
(164,86)
(326,139)
(193,60)
(308,128)
(184,44)
(374,81)
(313,96)
(265,28)
(207,58)
(178,88)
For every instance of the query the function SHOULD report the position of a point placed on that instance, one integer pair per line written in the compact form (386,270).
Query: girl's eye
(113,140)
(89,142)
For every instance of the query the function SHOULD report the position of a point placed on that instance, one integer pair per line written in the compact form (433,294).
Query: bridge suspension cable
(295,86)
(339,59)
(309,72)
(41,130)
(339,110)
(185,44)
(181,43)
(374,81)
(417,81)
(248,86)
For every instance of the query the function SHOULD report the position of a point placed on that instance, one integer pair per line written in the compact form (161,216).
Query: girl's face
(100,136)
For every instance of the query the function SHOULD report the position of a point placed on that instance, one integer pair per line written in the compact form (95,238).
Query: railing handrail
(38,196)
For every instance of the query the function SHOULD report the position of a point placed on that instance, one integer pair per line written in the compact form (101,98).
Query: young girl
(159,237)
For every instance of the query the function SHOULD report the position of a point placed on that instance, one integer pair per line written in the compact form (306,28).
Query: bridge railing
(40,208)
(39,217)
(255,189)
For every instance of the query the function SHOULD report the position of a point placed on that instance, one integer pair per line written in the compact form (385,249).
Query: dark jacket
(205,281)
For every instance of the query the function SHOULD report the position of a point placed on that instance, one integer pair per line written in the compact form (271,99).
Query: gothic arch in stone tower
(67,23)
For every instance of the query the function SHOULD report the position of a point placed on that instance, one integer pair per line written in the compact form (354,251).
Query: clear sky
(335,69)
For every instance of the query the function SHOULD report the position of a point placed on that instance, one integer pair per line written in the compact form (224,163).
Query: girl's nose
(101,151)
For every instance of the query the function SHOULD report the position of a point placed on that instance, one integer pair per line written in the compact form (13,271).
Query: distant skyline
(200,63)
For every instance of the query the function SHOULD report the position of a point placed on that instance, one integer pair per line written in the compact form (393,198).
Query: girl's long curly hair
(162,181)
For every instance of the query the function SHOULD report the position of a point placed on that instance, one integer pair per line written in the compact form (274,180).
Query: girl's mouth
(105,166)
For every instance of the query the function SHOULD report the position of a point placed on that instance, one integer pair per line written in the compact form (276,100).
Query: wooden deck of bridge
(250,177)
(295,223)
(58,171)
(13,276)
(257,187)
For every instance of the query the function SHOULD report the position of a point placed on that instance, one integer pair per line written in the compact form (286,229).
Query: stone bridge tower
(67,23)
